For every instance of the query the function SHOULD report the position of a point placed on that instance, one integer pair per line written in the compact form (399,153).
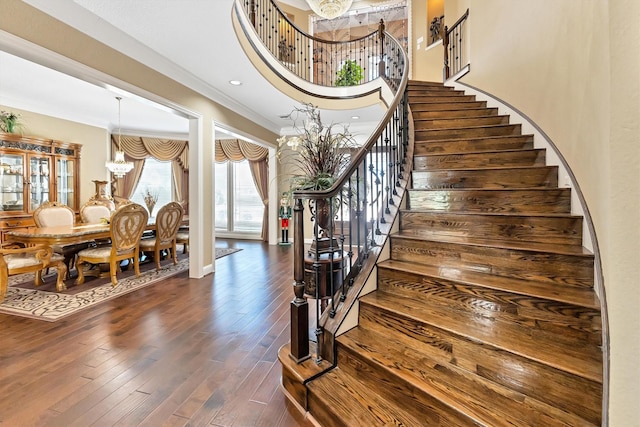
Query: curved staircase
(485,313)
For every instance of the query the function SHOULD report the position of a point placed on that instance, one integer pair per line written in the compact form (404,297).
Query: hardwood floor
(183,352)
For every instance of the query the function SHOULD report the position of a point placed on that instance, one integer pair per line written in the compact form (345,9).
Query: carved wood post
(445,44)
(299,305)
(381,65)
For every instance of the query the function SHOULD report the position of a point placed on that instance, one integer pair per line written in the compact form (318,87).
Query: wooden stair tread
(508,214)
(471,139)
(490,116)
(487,152)
(354,402)
(462,390)
(488,168)
(576,250)
(579,296)
(584,362)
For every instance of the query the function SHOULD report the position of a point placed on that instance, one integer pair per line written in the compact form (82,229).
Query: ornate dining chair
(166,228)
(53,214)
(182,238)
(32,259)
(125,229)
(94,212)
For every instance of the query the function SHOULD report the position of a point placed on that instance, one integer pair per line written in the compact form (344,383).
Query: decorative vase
(102,194)
(11,125)
(150,205)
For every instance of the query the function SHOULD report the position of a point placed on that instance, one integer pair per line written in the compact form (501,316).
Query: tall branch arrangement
(320,152)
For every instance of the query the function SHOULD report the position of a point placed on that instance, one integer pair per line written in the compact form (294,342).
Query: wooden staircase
(485,314)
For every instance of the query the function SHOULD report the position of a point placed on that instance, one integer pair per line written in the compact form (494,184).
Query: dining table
(59,235)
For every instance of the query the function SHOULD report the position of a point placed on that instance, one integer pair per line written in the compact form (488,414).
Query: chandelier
(330,8)
(118,166)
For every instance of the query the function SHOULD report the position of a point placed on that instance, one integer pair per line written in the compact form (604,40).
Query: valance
(138,147)
(236,150)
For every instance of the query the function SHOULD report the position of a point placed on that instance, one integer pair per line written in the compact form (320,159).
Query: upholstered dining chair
(53,214)
(93,212)
(32,259)
(166,228)
(182,238)
(125,229)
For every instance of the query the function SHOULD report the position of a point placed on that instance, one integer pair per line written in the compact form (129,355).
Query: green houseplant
(350,74)
(9,122)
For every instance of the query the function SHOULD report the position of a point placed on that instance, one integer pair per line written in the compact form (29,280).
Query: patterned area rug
(44,303)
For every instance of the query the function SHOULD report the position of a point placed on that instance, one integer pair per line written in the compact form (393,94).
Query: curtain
(138,148)
(236,150)
(125,186)
(260,174)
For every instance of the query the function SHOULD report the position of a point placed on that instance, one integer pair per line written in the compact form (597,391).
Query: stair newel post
(381,65)
(445,44)
(299,305)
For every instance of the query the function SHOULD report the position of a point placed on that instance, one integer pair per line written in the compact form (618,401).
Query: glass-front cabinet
(39,182)
(34,171)
(12,183)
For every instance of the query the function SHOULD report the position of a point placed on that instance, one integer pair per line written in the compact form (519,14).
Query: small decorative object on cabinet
(34,171)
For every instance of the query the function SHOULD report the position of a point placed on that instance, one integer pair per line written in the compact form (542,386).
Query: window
(157,179)
(238,206)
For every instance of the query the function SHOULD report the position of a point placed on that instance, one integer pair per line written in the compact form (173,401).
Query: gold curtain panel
(139,148)
(236,150)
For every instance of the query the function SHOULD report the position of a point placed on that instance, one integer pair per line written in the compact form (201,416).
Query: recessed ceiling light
(355,117)
(235,82)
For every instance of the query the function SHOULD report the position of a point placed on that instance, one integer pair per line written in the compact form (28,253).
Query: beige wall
(574,68)
(94,141)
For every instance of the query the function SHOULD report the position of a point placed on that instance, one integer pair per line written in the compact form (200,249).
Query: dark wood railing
(455,48)
(346,218)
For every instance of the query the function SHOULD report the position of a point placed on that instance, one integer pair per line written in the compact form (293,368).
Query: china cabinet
(34,171)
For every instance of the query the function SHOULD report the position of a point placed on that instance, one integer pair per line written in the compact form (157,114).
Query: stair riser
(420,84)
(430,91)
(564,322)
(440,97)
(465,133)
(555,230)
(480,160)
(467,112)
(561,269)
(443,106)
(518,373)
(473,145)
(495,201)
(435,412)
(460,122)
(536,177)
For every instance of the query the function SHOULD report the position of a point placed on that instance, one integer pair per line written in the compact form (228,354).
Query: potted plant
(350,74)
(318,153)
(9,122)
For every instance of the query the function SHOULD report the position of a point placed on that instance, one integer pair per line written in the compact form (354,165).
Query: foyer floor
(181,352)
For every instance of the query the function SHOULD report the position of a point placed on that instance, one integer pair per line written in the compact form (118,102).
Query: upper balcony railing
(352,218)
(313,59)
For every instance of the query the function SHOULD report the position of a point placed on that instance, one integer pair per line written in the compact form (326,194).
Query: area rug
(44,303)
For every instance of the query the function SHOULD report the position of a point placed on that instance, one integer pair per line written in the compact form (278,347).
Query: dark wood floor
(183,352)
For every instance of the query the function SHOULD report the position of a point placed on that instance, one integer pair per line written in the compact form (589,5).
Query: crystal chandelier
(330,8)
(119,167)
